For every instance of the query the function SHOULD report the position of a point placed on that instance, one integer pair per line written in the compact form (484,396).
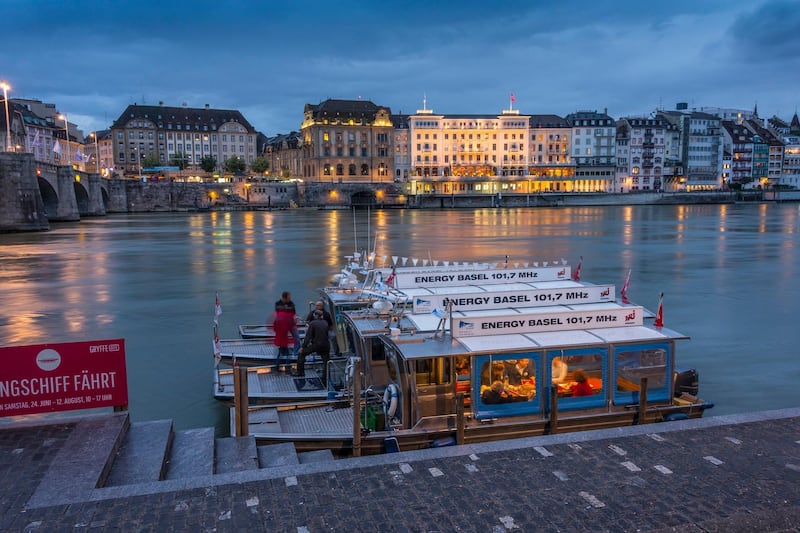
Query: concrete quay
(727,473)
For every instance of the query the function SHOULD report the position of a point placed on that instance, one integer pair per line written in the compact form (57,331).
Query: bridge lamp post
(96,152)
(6,87)
(63,116)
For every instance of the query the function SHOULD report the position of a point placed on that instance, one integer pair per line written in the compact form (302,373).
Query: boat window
(391,364)
(632,363)
(435,371)
(378,352)
(579,376)
(350,337)
(506,386)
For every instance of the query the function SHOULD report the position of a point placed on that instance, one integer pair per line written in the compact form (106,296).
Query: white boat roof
(500,287)
(367,321)
(422,346)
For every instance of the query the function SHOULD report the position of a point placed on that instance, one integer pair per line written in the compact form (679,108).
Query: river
(729,274)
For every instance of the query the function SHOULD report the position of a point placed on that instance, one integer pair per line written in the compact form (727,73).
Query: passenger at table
(518,372)
(496,393)
(559,370)
(582,387)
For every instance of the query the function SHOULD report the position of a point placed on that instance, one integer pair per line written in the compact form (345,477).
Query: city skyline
(92,60)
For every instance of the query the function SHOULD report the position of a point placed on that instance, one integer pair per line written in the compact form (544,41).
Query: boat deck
(320,421)
(251,349)
(266,384)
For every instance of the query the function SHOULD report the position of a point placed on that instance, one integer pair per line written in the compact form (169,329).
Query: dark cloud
(268,58)
(769,33)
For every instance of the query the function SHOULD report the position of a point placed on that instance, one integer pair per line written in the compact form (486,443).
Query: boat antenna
(355,232)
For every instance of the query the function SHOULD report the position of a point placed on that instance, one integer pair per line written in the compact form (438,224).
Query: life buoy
(390,400)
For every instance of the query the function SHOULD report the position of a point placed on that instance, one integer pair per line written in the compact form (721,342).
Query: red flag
(659,322)
(576,276)
(513,98)
(390,279)
(624,290)
(217,349)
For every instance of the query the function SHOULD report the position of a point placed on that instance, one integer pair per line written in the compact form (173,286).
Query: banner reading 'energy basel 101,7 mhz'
(44,378)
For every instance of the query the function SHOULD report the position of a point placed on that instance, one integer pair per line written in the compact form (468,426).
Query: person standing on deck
(319,306)
(316,341)
(282,323)
(286,305)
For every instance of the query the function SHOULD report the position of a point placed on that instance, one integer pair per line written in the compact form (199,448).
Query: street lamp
(139,159)
(96,152)
(63,116)
(6,87)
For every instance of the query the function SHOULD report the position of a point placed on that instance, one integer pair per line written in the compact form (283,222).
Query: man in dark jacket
(316,341)
(320,307)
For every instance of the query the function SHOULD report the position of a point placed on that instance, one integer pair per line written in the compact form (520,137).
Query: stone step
(235,454)
(83,462)
(273,455)
(191,454)
(316,456)
(143,455)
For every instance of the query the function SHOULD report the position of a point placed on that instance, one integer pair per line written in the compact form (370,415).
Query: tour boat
(373,309)
(481,374)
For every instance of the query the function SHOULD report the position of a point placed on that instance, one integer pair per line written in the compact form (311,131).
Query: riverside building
(347,141)
(180,135)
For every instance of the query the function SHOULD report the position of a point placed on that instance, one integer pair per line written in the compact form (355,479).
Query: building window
(340,170)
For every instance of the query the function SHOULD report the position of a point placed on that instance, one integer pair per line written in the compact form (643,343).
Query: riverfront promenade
(728,473)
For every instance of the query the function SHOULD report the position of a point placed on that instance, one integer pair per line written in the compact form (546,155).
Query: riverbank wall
(33,196)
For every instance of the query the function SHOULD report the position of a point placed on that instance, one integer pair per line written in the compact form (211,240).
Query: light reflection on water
(729,275)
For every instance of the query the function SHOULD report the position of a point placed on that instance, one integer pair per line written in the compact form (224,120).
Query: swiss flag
(659,322)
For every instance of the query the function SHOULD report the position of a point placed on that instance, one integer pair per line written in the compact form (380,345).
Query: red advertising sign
(61,377)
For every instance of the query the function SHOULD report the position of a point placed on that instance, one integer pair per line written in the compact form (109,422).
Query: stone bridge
(33,194)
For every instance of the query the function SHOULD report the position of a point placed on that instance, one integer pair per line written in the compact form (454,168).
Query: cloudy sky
(267,59)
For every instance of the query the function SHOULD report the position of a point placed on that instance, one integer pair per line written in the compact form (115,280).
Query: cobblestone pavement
(716,474)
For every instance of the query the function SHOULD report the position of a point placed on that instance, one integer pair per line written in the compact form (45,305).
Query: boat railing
(339,375)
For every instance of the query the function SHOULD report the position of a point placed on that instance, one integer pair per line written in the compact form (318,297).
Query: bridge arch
(363,198)
(82,198)
(49,197)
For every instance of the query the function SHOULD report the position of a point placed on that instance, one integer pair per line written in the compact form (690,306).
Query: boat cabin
(511,374)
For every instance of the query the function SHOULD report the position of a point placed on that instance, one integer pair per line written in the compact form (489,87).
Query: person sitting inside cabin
(316,341)
(495,394)
(582,387)
(518,372)
(559,370)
